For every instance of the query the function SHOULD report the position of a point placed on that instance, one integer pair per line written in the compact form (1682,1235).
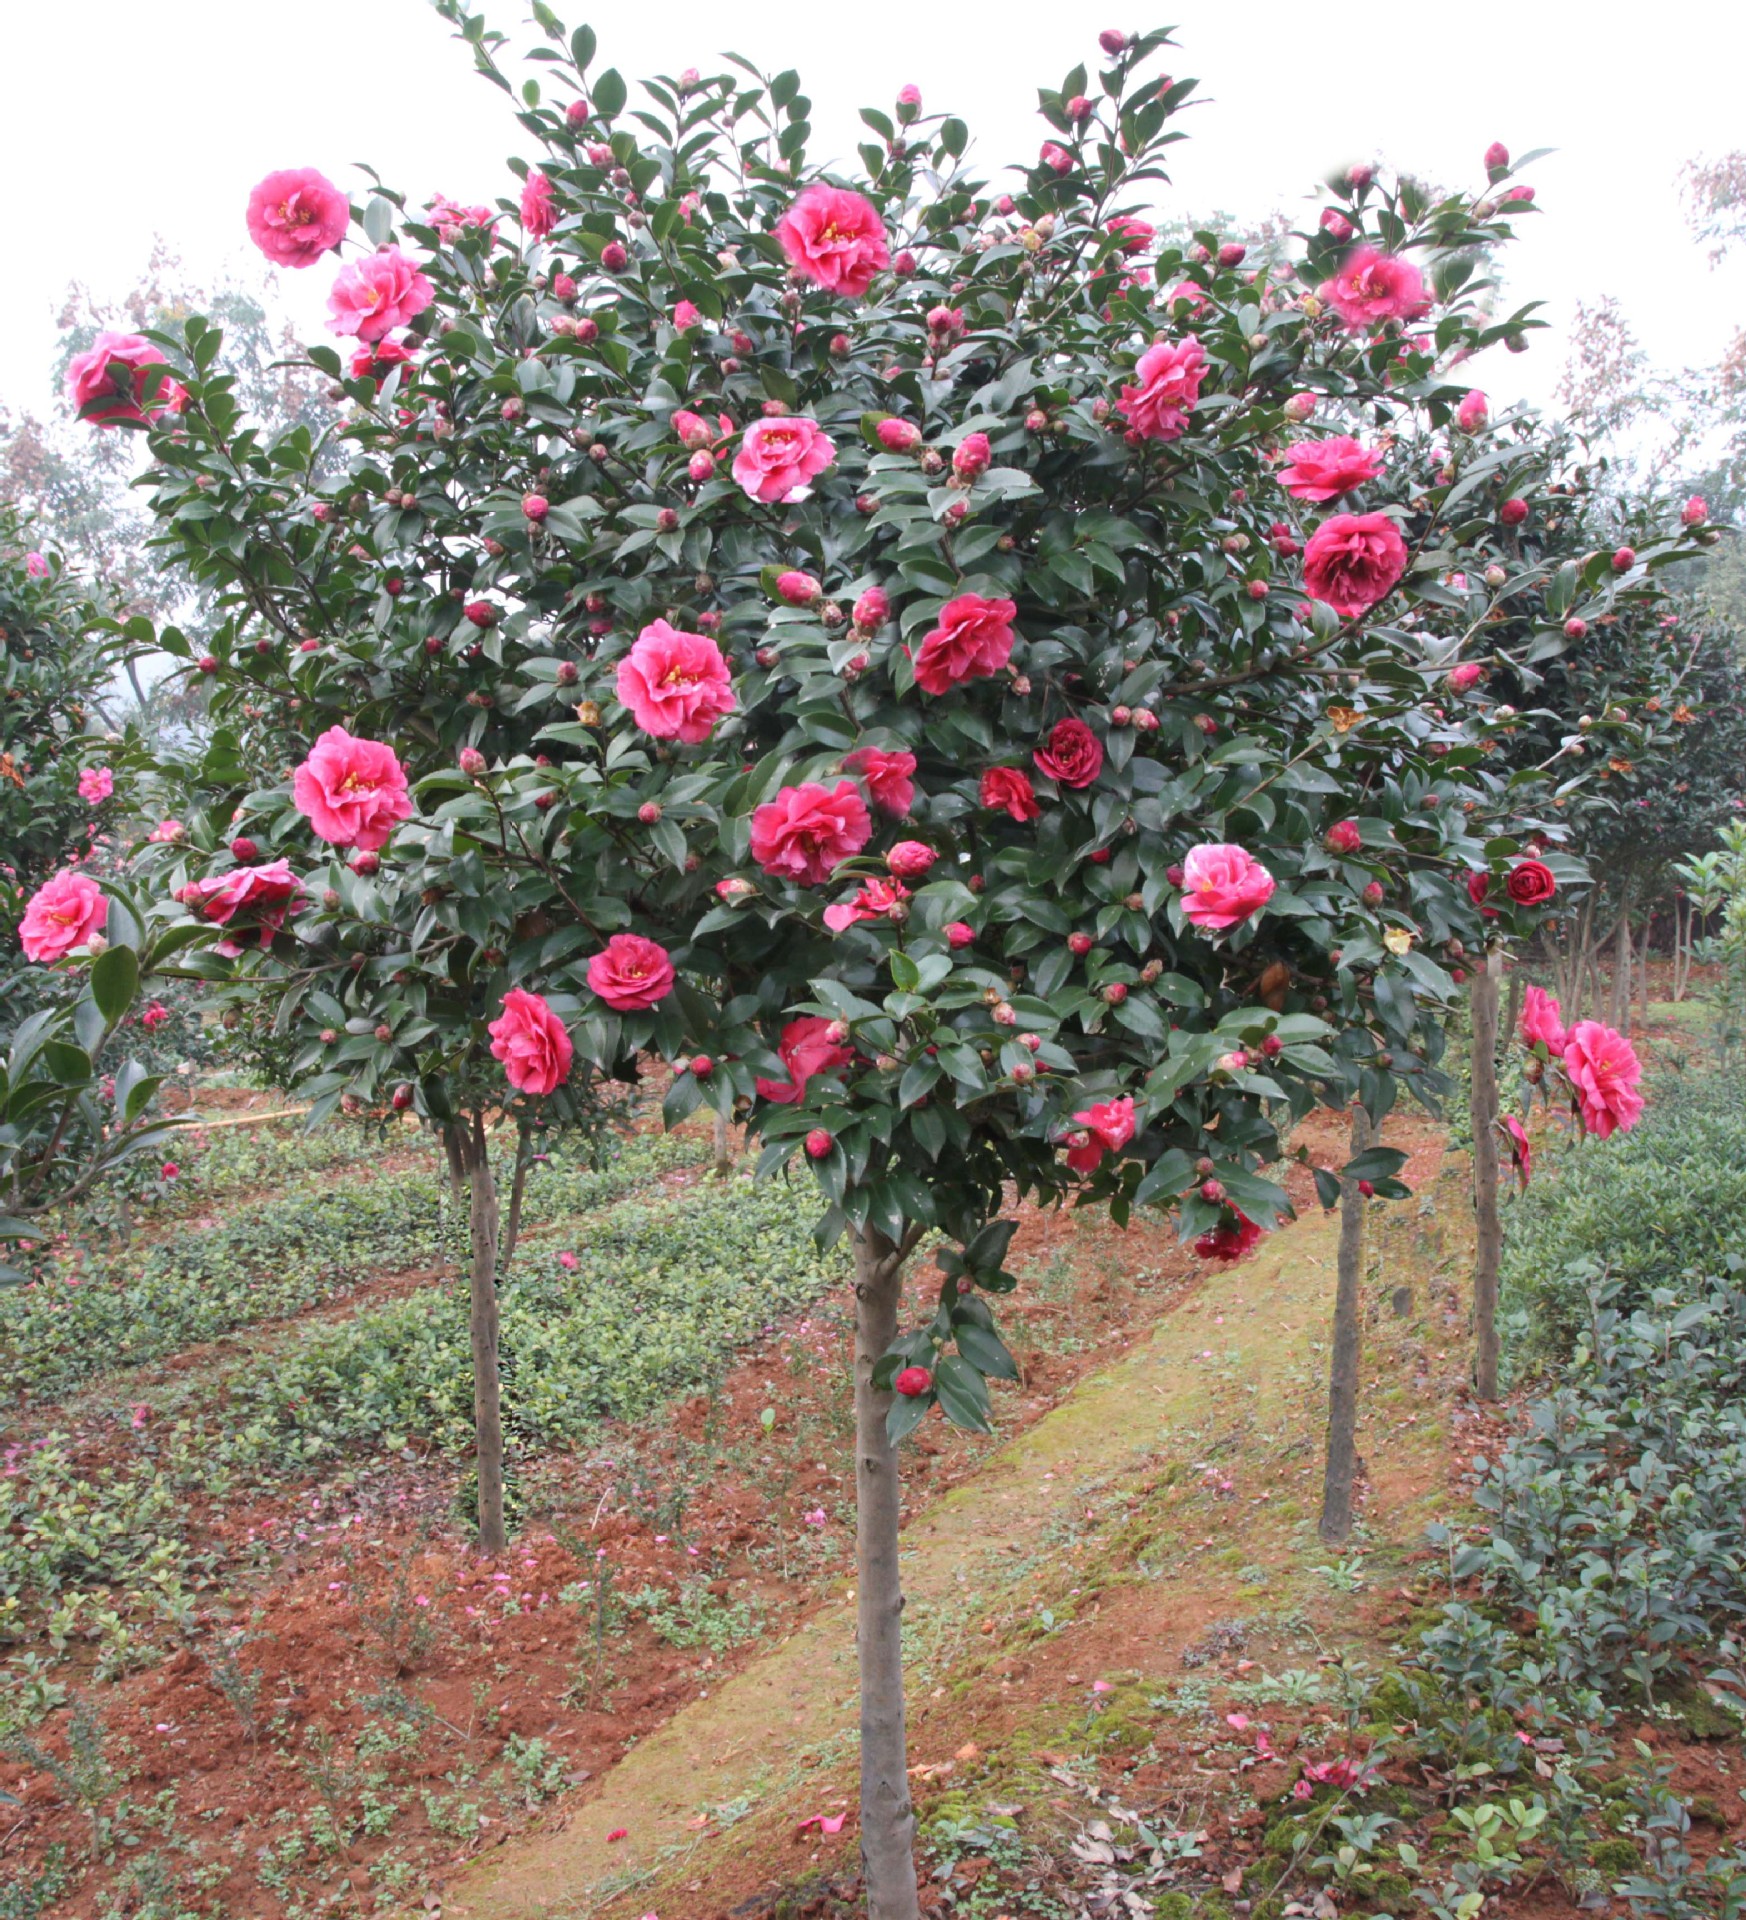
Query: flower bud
(819,1143)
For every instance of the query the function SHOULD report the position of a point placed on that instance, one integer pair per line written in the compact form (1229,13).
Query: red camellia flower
(1072,756)
(1513,512)
(1165,390)
(1010,788)
(874,901)
(1478,886)
(1228,1241)
(1542,1021)
(1464,677)
(1530,883)
(1322,470)
(806,1048)
(1135,235)
(529,1038)
(1344,836)
(1222,885)
(105,383)
(974,637)
(63,913)
(889,774)
(1603,1070)
(1521,1154)
(797,588)
(375,295)
(378,361)
(806,832)
(912,1382)
(1373,286)
(632,973)
(780,458)
(353,792)
(261,895)
(296,215)
(1353,560)
(539,205)
(835,238)
(1109,1125)
(676,684)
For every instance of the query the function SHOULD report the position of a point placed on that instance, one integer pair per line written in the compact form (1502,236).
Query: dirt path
(1123,1473)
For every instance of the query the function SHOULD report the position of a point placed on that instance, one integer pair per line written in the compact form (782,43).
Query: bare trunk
(1342,1461)
(517,1187)
(1682,939)
(1619,1003)
(482,1325)
(724,1146)
(457,1162)
(887,1817)
(1643,990)
(1513,1012)
(1488,1251)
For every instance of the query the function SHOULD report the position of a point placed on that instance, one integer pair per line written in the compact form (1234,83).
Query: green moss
(1615,1856)
(1705,1812)
(1385,1891)
(1395,1698)
(1284,1837)
(1700,1716)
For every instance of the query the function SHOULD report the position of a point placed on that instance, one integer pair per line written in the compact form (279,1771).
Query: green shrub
(1648,1207)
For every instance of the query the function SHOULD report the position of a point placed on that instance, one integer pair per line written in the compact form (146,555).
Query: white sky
(119,121)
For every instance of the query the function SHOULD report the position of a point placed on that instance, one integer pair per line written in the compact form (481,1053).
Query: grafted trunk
(1342,1462)
(1489,1248)
(887,1817)
(482,1327)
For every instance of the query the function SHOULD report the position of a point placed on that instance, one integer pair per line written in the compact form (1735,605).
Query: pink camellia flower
(1056,158)
(167,832)
(632,973)
(353,792)
(1521,1154)
(378,361)
(897,436)
(676,684)
(836,238)
(686,315)
(1603,1070)
(974,637)
(1229,1240)
(909,96)
(1072,756)
(1189,290)
(62,914)
(1109,1125)
(1542,1021)
(798,589)
(1353,560)
(1497,157)
(260,896)
(451,220)
(696,432)
(36,566)
(1322,470)
(779,459)
(539,205)
(1465,676)
(96,784)
(806,832)
(911,1382)
(1009,790)
(105,383)
(1473,412)
(806,1048)
(375,295)
(529,1038)
(1135,235)
(1695,511)
(874,901)
(1344,836)
(889,774)
(972,456)
(1222,885)
(1373,286)
(297,215)
(1166,388)
(910,858)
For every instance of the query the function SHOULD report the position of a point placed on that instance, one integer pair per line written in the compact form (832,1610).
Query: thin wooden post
(1489,1250)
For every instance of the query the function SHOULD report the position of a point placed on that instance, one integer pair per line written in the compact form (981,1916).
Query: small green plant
(695,1616)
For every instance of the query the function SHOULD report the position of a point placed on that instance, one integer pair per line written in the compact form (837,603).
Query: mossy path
(1170,1493)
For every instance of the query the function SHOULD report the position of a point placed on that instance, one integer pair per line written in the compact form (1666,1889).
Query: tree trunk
(1644,995)
(1513,1012)
(457,1161)
(1619,1003)
(1484,1113)
(724,1146)
(482,1324)
(1342,1462)
(887,1818)
(517,1187)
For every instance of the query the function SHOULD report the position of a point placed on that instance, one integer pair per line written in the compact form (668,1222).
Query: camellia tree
(906,652)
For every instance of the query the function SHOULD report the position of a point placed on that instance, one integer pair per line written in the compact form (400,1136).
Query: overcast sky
(121,120)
